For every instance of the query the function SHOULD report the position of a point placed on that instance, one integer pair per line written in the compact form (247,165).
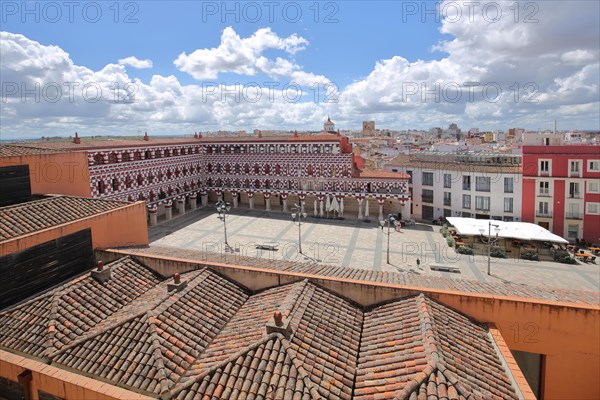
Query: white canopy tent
(509,230)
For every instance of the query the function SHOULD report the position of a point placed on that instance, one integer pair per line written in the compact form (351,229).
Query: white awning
(512,230)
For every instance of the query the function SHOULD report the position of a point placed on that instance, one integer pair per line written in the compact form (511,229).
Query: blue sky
(346,40)
(381,56)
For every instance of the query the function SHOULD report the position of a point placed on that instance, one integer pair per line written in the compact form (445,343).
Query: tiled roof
(49,322)
(383,174)
(33,216)
(341,272)
(87,144)
(416,345)
(404,160)
(14,150)
(214,339)
(266,370)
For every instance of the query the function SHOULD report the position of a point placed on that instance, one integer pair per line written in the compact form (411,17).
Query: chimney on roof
(177,284)
(200,135)
(76,140)
(100,274)
(279,324)
(278,318)
(260,134)
(195,135)
(146,137)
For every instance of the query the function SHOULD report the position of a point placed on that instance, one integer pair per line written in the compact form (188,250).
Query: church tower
(329,126)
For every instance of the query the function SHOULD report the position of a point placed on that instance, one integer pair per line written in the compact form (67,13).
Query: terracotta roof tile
(14,150)
(416,346)
(462,285)
(213,339)
(47,323)
(25,218)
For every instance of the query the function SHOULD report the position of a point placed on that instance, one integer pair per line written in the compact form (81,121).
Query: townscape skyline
(256,66)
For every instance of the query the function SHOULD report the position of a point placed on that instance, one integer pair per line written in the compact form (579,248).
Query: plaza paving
(358,244)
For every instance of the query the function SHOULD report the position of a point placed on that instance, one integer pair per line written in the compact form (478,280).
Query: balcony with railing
(574,215)
(543,213)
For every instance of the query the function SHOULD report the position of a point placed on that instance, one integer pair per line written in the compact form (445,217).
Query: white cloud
(244,56)
(557,57)
(136,63)
(113,102)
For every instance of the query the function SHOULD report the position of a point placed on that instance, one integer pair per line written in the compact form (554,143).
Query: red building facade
(561,189)
(269,173)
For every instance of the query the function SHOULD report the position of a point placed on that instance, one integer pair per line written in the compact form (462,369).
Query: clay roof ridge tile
(200,276)
(52,322)
(308,383)
(197,378)
(161,374)
(295,303)
(85,338)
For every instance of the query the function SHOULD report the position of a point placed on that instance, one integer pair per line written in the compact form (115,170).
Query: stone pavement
(358,244)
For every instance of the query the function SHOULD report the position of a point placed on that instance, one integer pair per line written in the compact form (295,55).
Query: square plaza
(357,244)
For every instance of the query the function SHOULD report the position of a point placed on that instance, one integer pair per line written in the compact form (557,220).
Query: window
(409,176)
(508,185)
(573,211)
(573,231)
(427,178)
(482,184)
(466,183)
(594,165)
(447,181)
(466,201)
(447,198)
(544,167)
(593,187)
(544,188)
(482,203)
(427,196)
(574,192)
(543,208)
(575,167)
(508,204)
(592,208)
(101,187)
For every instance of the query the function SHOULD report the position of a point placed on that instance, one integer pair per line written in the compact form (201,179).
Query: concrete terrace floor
(358,244)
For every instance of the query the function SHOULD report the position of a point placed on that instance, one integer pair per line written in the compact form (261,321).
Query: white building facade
(486,186)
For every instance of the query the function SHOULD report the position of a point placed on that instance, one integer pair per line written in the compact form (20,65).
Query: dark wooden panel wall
(31,271)
(15,186)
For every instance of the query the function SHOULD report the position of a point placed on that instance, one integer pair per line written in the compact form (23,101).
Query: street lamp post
(490,241)
(390,219)
(223,208)
(297,218)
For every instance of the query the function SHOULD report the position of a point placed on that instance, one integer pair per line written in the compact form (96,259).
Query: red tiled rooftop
(410,280)
(216,339)
(87,144)
(33,216)
(14,150)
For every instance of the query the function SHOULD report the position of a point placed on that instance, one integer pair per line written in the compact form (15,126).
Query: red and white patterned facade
(307,168)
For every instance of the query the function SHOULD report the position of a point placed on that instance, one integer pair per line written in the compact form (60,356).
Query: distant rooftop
(86,144)
(13,150)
